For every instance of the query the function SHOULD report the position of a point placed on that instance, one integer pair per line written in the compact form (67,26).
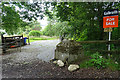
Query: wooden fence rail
(103,41)
(106,42)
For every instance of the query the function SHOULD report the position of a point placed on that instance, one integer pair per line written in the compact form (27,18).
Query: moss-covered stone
(68,51)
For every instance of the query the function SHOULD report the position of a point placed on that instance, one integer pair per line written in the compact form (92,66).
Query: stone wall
(68,51)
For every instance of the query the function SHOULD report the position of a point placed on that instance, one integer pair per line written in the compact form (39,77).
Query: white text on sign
(110,21)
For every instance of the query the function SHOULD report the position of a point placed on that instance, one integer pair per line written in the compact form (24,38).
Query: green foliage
(113,65)
(98,61)
(35,33)
(116,33)
(2,32)
(86,19)
(34,25)
(56,29)
(31,11)
(48,31)
(11,21)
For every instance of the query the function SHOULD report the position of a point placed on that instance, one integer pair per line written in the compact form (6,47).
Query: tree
(11,21)
(31,11)
(36,26)
(57,29)
(86,18)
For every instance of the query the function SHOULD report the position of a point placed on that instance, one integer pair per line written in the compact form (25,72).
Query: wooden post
(20,45)
(22,40)
(2,38)
(28,40)
(3,44)
(17,43)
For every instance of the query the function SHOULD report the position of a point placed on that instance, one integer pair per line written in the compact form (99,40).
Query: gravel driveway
(43,50)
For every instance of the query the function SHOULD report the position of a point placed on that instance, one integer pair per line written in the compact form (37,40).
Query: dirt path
(33,62)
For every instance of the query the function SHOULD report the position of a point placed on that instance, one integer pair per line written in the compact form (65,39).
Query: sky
(43,22)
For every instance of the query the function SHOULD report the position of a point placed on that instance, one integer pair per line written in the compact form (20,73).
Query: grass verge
(40,38)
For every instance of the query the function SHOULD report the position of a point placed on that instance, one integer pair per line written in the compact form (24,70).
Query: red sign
(110,21)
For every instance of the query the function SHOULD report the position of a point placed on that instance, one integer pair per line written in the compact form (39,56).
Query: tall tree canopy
(86,18)
(13,19)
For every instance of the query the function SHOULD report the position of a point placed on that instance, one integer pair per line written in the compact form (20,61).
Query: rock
(55,62)
(60,63)
(10,63)
(73,67)
(26,63)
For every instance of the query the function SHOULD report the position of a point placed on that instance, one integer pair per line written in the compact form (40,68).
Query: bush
(35,33)
(99,62)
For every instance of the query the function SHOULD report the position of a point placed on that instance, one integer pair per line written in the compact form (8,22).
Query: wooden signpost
(110,20)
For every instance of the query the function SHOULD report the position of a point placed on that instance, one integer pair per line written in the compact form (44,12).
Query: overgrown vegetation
(98,61)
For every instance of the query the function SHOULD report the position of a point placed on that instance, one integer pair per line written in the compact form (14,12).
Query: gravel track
(43,50)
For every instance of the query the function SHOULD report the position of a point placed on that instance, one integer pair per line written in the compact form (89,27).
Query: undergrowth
(98,61)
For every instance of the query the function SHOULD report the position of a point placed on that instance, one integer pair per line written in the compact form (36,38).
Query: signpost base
(109,40)
(109,44)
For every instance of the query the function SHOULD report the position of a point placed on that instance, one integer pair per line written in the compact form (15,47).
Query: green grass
(112,65)
(31,41)
(83,64)
(40,38)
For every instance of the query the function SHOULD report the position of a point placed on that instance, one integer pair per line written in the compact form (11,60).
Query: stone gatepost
(68,51)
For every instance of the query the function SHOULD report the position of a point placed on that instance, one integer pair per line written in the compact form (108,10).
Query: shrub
(35,33)
(97,61)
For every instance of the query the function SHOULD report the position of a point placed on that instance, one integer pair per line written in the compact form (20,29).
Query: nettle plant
(97,61)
